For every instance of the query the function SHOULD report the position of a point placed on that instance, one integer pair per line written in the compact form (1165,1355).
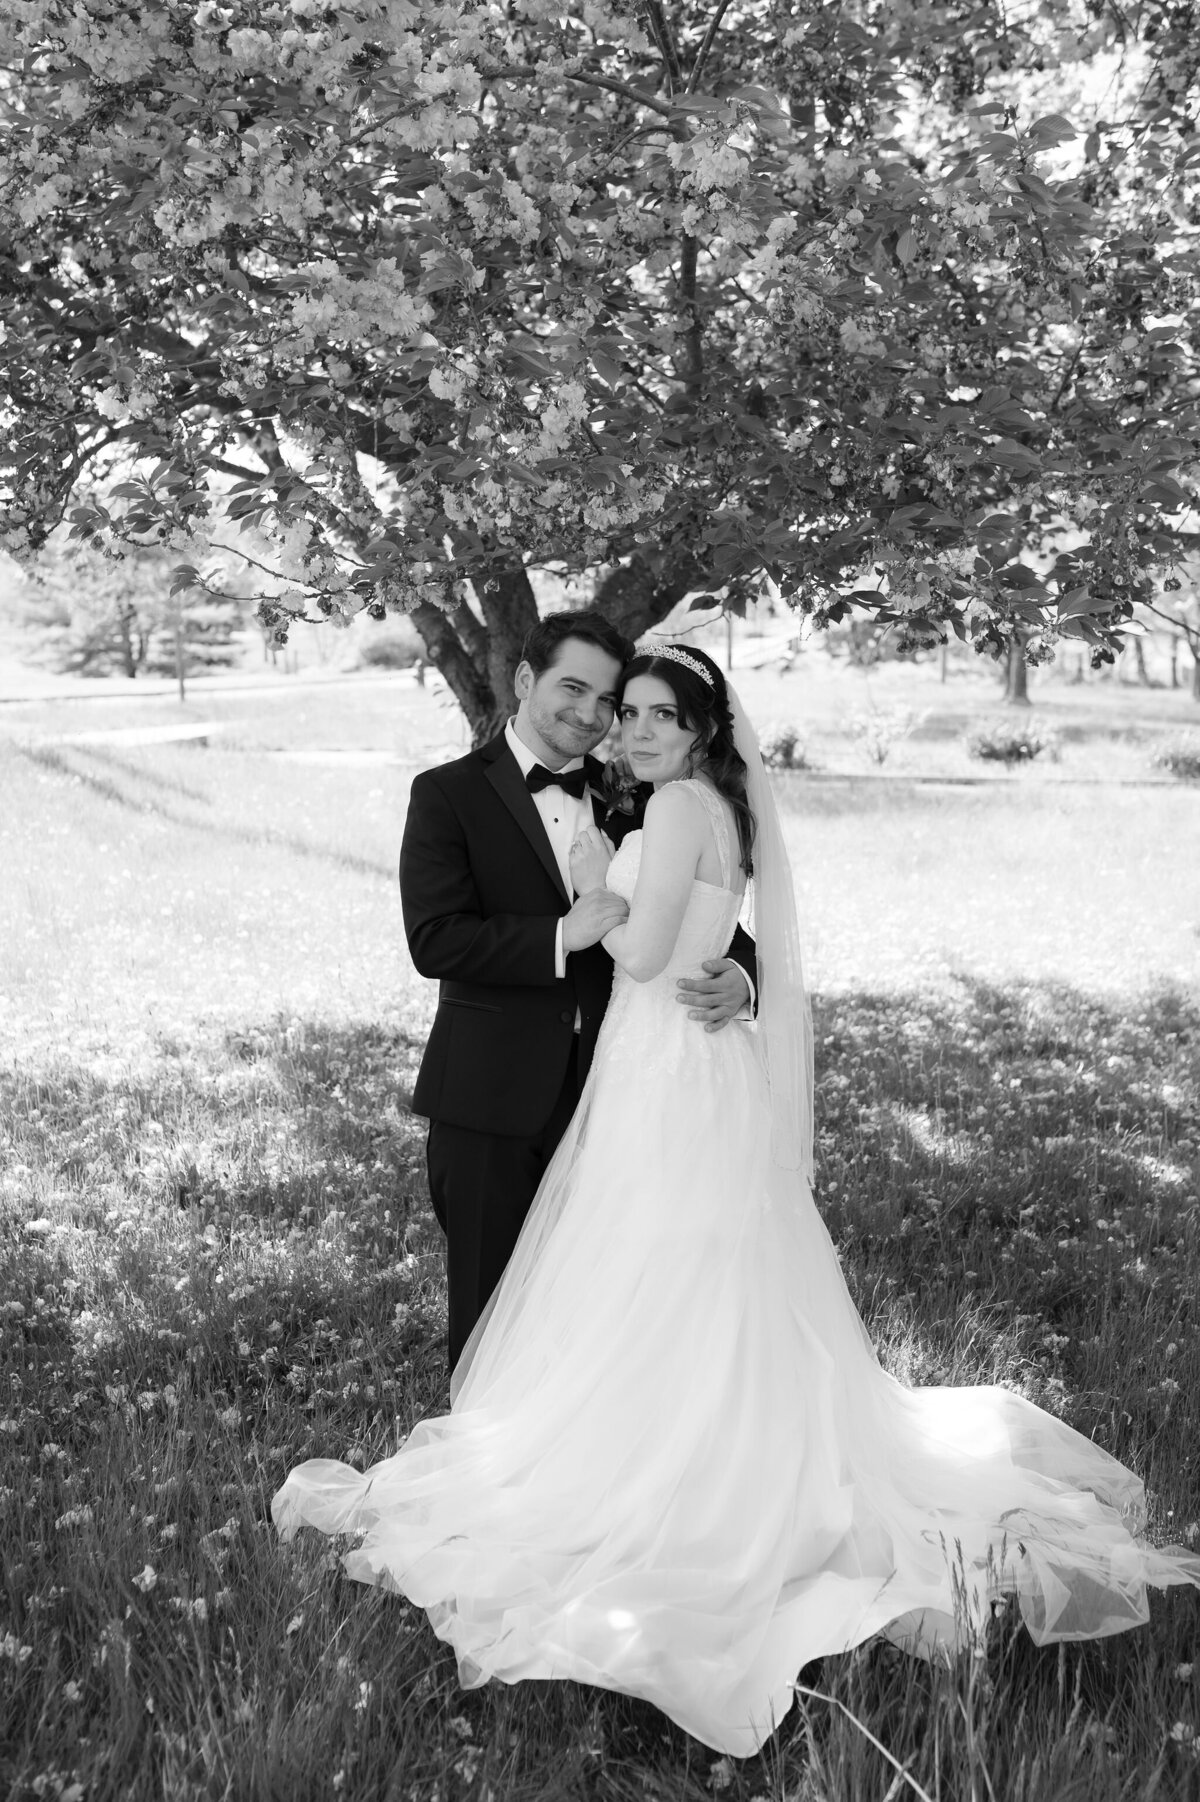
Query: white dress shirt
(564,818)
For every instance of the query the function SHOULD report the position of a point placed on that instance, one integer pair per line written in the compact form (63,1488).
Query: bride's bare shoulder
(675,804)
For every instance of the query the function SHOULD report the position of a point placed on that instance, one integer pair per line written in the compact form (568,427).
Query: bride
(673,1465)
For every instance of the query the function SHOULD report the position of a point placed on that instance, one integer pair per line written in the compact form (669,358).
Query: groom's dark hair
(543,640)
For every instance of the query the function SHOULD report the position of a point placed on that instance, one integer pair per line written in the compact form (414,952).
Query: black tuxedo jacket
(482,898)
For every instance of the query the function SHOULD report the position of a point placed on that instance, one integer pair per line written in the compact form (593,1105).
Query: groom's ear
(523,679)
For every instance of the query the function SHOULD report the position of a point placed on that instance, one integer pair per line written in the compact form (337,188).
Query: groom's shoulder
(460,772)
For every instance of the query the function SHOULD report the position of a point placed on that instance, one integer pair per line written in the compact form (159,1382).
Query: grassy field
(216,1254)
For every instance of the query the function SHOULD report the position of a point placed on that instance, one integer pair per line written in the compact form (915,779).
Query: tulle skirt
(674,1466)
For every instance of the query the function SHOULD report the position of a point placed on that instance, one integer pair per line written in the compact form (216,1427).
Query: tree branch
(687,282)
(590,81)
(1191,633)
(661,32)
(702,58)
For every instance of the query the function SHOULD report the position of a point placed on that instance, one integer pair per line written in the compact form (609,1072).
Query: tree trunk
(179,645)
(478,657)
(1195,650)
(509,608)
(125,634)
(1139,657)
(636,595)
(1016,676)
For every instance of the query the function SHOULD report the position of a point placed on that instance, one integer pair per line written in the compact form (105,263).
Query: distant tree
(97,615)
(1016,674)
(1185,617)
(682,294)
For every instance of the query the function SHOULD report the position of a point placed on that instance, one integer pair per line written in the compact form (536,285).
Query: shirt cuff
(749,1008)
(560,956)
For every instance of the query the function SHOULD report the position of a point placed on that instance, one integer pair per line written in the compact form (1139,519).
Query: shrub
(878,733)
(1181,756)
(1011,742)
(393,643)
(783,748)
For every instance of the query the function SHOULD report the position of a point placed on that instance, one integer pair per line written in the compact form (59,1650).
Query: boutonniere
(619,788)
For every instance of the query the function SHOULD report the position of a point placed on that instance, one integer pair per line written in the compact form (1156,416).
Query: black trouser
(481,1187)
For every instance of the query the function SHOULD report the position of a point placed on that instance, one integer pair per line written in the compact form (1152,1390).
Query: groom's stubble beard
(561,733)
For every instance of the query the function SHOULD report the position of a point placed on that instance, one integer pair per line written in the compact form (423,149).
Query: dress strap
(719,823)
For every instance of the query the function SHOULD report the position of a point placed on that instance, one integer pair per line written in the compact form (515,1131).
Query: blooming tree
(892,304)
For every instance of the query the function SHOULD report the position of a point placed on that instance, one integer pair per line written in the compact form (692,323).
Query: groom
(489,910)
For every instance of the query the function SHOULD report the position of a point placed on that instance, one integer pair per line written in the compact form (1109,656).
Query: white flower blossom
(860,341)
(74,1517)
(447,384)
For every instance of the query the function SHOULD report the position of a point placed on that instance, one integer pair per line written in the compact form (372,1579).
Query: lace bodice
(712,909)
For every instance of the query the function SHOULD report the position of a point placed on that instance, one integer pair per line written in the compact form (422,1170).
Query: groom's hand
(716,997)
(591,917)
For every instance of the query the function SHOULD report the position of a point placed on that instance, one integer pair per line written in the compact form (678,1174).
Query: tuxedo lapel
(503,772)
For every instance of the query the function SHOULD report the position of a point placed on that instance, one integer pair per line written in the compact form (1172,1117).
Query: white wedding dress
(674,1466)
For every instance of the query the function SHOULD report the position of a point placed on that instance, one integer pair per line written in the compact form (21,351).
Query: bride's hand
(591,854)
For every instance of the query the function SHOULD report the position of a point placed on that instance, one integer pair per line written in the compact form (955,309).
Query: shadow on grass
(1011,1177)
(1022,1159)
(123,786)
(232,1266)
(247,1206)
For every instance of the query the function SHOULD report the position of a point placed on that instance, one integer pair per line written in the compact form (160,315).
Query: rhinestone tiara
(676,654)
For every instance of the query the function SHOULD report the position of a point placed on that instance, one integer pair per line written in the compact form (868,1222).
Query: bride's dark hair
(704,709)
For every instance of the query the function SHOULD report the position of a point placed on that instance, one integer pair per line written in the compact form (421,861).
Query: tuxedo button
(566,1017)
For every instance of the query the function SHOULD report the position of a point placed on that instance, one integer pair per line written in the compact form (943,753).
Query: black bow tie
(574,781)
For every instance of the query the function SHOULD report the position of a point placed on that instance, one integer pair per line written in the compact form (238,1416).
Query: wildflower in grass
(73,1692)
(196,1609)
(54,1786)
(1184,1671)
(11,1647)
(74,1517)
(467,1764)
(146,1579)
(230,1418)
(10,1426)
